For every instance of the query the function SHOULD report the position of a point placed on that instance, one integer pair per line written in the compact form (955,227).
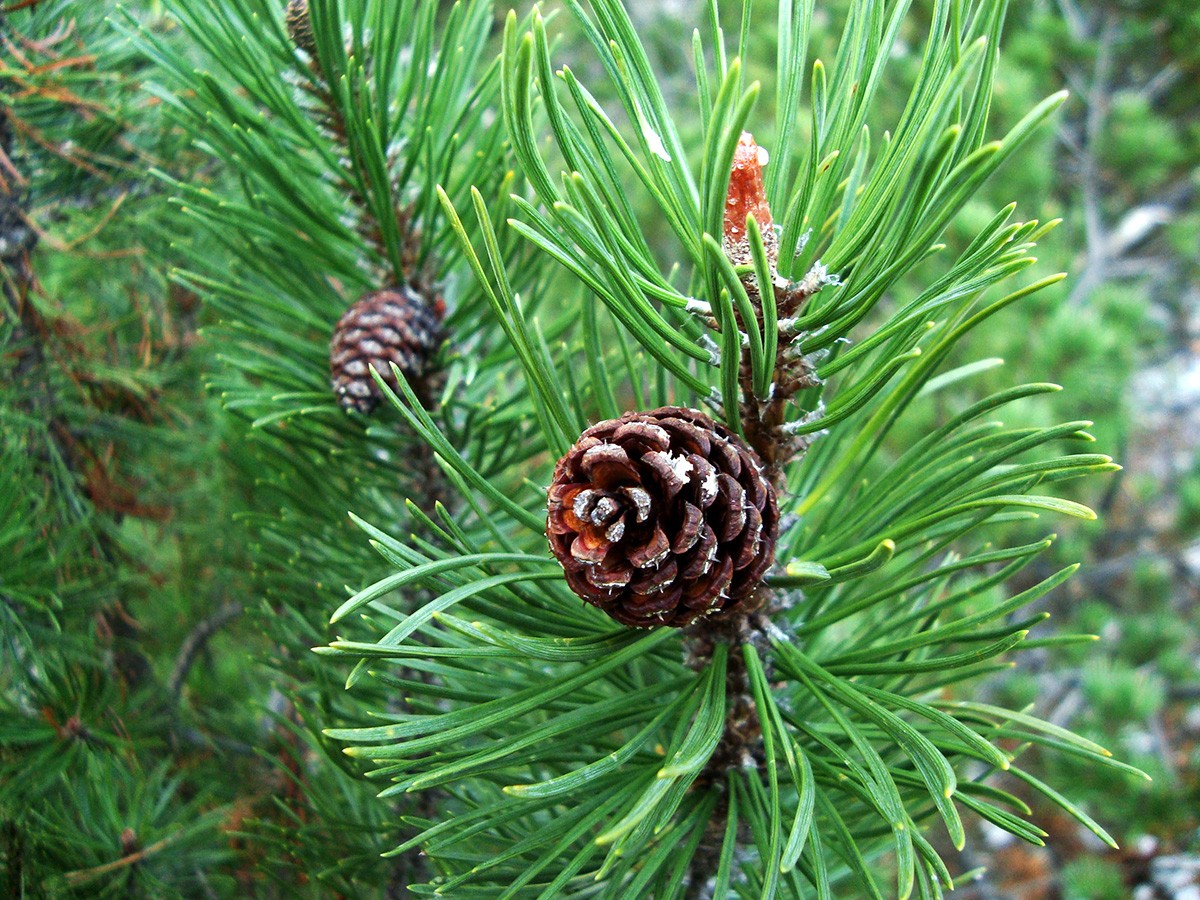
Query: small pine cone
(299,26)
(395,325)
(662,518)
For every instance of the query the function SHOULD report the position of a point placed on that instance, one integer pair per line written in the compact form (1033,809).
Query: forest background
(162,747)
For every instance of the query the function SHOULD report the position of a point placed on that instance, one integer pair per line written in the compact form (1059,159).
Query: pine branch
(333,119)
(85,731)
(790,736)
(778,349)
(38,357)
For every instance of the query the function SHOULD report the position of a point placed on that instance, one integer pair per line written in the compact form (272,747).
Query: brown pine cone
(395,325)
(662,518)
(299,26)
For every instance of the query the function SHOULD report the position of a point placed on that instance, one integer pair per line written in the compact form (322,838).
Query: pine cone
(395,325)
(662,518)
(299,26)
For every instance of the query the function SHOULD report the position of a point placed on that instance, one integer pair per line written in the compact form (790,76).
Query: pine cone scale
(751,539)
(689,529)
(651,553)
(661,518)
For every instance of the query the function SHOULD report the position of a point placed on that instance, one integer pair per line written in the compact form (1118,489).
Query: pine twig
(763,421)
(196,641)
(82,876)
(368,227)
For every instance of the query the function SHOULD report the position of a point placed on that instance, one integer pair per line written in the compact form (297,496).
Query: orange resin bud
(747,196)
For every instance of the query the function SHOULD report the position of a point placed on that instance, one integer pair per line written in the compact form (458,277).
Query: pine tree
(747,664)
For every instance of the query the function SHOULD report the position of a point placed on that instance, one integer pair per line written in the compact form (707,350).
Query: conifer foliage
(94,376)
(602,255)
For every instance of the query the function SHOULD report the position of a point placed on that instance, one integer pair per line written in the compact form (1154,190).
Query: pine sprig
(790,748)
(855,753)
